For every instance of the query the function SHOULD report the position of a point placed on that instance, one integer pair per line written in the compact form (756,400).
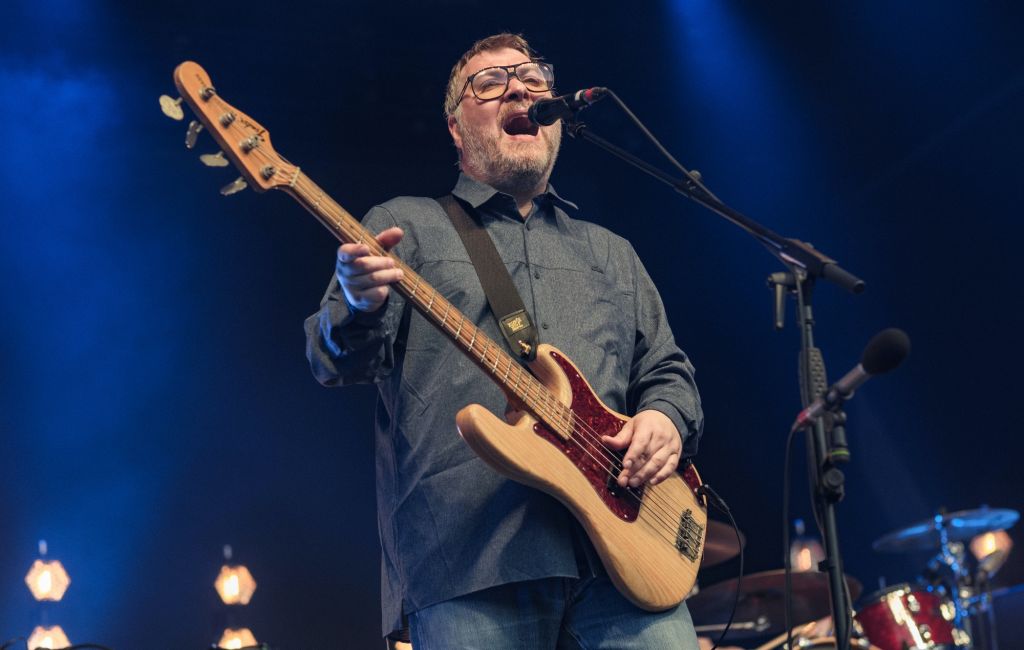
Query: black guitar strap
(506,303)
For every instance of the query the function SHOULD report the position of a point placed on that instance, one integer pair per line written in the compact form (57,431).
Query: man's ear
(456,130)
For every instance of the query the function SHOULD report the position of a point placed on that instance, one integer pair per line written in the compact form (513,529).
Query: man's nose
(516,89)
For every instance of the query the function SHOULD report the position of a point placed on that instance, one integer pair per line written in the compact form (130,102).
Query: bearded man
(471,559)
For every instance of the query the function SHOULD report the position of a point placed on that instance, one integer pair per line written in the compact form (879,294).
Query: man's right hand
(365,277)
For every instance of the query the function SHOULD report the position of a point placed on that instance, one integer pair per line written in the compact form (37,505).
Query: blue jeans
(550,614)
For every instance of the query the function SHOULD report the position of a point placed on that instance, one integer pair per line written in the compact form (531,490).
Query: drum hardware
(910,616)
(762,600)
(759,625)
(956,607)
(810,636)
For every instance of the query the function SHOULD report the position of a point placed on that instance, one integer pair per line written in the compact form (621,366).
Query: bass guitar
(650,538)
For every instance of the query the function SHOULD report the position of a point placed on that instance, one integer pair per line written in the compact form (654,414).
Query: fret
(450,320)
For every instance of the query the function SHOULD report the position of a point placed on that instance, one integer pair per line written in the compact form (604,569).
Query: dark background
(155,402)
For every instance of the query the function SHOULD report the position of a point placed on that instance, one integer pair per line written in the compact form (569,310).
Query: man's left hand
(654,448)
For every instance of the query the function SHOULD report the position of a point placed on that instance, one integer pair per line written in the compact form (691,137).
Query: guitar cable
(786,562)
(718,502)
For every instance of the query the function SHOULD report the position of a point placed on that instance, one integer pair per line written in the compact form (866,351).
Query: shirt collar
(476,193)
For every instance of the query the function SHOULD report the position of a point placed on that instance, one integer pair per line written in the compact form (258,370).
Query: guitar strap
(506,303)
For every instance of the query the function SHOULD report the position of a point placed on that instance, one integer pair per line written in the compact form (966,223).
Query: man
(469,558)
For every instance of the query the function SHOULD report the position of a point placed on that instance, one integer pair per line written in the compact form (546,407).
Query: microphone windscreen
(885,351)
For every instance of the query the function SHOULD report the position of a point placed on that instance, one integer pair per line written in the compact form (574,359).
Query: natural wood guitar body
(650,539)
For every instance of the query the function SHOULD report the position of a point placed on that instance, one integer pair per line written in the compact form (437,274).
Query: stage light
(47,580)
(991,550)
(235,585)
(48,637)
(234,639)
(804,552)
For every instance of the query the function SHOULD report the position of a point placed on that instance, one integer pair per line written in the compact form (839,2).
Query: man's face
(499,144)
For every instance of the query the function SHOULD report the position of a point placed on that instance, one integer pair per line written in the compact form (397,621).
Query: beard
(512,167)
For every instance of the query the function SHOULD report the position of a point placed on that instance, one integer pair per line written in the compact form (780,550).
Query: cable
(694,178)
(787,565)
(707,491)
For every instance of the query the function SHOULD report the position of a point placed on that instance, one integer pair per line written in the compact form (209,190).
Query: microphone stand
(805,265)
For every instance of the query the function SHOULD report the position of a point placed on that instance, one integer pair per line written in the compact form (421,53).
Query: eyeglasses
(491,83)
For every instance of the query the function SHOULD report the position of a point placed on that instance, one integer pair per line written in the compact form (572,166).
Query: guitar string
(543,394)
(656,502)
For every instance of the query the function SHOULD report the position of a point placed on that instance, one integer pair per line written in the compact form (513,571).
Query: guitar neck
(491,357)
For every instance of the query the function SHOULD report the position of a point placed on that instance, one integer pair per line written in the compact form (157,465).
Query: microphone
(546,112)
(883,353)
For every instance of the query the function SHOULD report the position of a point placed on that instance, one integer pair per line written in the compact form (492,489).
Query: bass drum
(906,617)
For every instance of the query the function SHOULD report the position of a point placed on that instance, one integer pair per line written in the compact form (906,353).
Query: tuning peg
(194,128)
(214,159)
(171,107)
(234,187)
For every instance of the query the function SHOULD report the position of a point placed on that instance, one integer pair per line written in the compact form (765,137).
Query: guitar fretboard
(483,350)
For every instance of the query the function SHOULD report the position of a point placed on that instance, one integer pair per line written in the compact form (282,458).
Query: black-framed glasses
(491,83)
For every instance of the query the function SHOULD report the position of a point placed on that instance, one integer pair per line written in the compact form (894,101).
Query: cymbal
(957,527)
(763,599)
(720,544)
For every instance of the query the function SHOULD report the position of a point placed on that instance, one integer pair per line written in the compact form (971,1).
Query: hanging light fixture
(48,637)
(233,639)
(235,585)
(47,580)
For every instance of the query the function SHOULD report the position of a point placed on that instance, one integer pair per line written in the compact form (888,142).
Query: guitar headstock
(244,140)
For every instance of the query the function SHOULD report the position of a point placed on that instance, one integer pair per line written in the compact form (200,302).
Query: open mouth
(519,124)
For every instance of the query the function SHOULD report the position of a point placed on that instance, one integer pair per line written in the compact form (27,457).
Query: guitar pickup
(612,485)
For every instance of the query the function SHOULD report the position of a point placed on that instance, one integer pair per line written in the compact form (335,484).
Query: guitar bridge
(688,536)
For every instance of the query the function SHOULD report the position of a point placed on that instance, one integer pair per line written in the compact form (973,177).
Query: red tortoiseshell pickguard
(585,450)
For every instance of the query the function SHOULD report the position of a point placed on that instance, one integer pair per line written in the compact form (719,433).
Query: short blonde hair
(495,42)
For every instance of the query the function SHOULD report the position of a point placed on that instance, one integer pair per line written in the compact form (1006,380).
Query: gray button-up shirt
(449,524)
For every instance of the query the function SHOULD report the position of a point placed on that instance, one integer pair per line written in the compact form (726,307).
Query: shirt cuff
(344,328)
(362,318)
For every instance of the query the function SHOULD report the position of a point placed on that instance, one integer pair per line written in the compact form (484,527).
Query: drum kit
(949,607)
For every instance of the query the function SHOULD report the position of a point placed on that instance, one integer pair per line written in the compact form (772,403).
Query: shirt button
(544,325)
(536,274)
